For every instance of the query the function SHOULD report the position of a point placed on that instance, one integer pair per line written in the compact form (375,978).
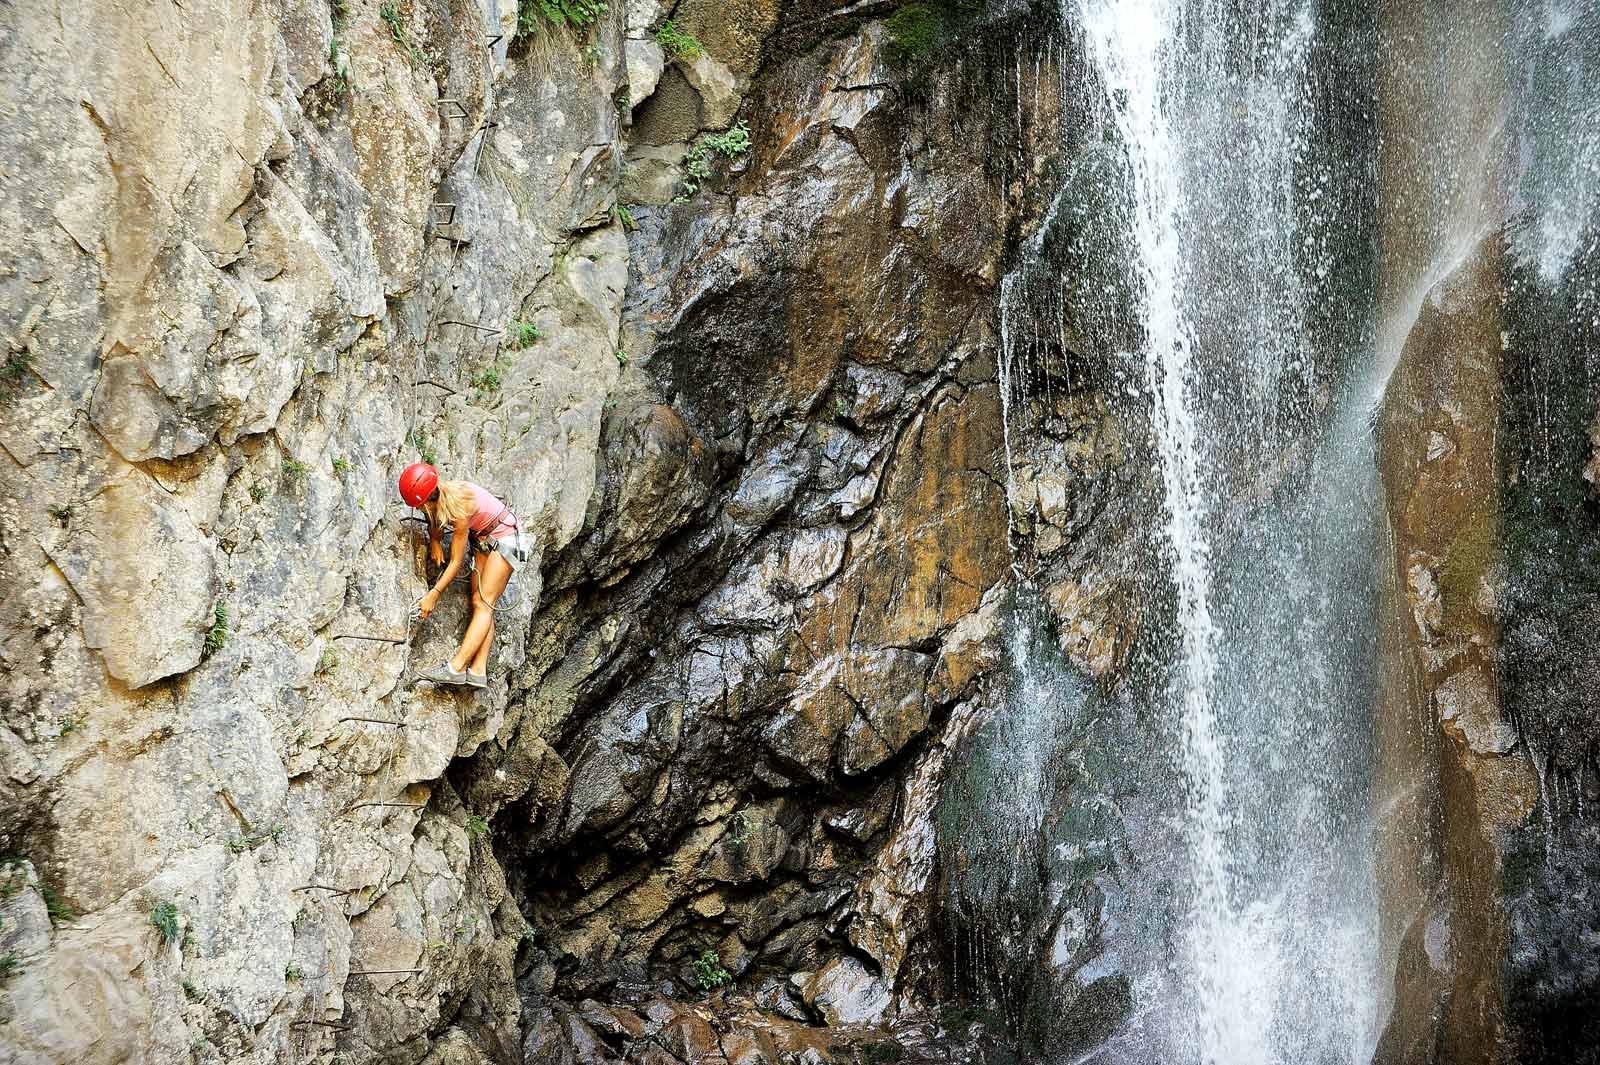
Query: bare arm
(458,554)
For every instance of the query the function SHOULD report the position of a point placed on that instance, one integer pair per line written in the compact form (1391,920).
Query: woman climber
(463,511)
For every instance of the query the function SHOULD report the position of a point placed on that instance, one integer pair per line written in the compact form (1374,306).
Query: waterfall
(1206,211)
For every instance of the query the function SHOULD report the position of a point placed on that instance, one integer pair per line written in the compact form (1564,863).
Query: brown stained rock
(1449,806)
(887,690)
(1095,621)
(938,539)
(970,649)
(690,1037)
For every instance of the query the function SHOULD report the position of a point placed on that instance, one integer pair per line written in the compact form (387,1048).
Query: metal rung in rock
(454,103)
(471,325)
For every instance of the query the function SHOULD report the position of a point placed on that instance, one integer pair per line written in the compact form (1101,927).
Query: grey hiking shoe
(442,674)
(477,680)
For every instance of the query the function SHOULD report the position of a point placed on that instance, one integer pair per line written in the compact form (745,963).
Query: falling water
(1226,251)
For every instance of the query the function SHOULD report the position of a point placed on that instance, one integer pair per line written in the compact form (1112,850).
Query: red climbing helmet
(417,483)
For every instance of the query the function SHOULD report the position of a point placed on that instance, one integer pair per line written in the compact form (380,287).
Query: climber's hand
(426,604)
(436,552)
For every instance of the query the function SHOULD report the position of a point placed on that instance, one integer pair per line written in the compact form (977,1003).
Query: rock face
(1486,714)
(261,256)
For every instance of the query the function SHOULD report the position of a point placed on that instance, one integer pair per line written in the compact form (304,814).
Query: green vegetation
(164,918)
(341,466)
(881,1053)
(240,844)
(292,972)
(328,662)
(919,30)
(217,635)
(190,992)
(258,491)
(679,46)
(477,825)
(709,973)
(72,723)
(738,831)
(622,357)
(623,215)
(10,965)
(339,60)
(17,366)
(60,512)
(425,452)
(294,469)
(339,12)
(57,907)
(521,333)
(534,16)
(397,29)
(488,380)
(731,144)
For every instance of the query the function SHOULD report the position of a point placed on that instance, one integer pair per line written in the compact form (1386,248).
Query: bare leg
(488,581)
(480,661)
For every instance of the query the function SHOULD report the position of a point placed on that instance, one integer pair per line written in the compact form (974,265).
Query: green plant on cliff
(397,29)
(521,333)
(918,30)
(477,825)
(730,143)
(217,634)
(58,908)
(164,918)
(10,964)
(679,46)
(488,380)
(339,63)
(419,440)
(534,16)
(880,1053)
(17,366)
(709,973)
(294,469)
(738,831)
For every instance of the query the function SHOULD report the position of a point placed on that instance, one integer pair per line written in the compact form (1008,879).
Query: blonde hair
(456,503)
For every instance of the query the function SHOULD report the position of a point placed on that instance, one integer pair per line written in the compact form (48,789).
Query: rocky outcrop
(262,256)
(259,257)
(1484,446)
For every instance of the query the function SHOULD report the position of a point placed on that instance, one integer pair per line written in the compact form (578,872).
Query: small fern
(164,918)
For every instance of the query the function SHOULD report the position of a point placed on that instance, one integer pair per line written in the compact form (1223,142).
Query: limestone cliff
(259,255)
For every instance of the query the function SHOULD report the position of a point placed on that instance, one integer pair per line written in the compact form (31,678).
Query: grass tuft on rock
(536,16)
(679,46)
